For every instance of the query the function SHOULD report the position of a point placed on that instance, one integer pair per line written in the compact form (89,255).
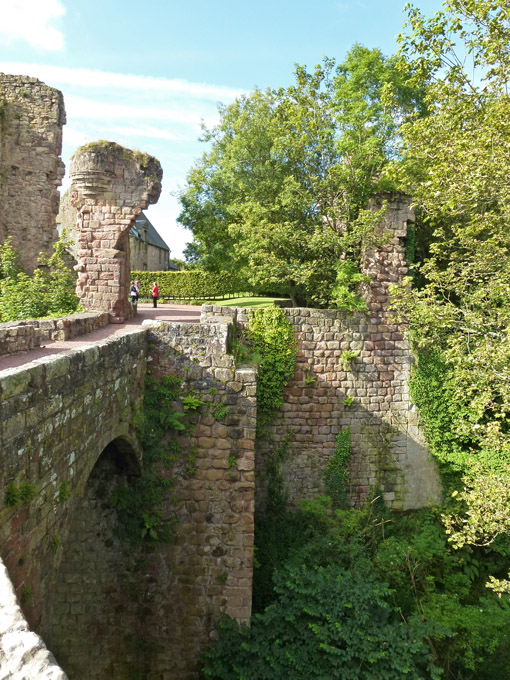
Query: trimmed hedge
(189,285)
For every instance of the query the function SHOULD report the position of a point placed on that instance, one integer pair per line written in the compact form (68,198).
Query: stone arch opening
(91,625)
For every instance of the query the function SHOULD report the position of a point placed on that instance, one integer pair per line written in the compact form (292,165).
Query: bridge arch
(91,619)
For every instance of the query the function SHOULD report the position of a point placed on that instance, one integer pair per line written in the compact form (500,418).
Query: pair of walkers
(134,292)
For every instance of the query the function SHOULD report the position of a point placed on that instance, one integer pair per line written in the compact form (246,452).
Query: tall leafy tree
(457,166)
(282,192)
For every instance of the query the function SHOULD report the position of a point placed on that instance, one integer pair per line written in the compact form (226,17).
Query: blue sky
(145,74)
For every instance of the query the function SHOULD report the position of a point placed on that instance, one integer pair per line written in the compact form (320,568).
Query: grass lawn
(240,302)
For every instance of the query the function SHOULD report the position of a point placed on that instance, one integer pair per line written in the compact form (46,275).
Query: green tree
(457,163)
(282,193)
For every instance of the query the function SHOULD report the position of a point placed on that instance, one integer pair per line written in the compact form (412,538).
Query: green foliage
(55,541)
(220,412)
(336,472)
(347,357)
(140,504)
(271,336)
(345,293)
(348,401)
(383,595)
(191,402)
(190,285)
(442,412)
(12,495)
(50,291)
(27,593)
(18,495)
(63,493)
(281,194)
(457,166)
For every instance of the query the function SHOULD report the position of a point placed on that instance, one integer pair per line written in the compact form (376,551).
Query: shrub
(189,285)
(50,291)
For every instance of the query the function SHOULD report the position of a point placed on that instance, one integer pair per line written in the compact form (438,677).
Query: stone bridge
(104,608)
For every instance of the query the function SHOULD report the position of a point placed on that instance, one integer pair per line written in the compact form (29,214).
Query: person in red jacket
(155,294)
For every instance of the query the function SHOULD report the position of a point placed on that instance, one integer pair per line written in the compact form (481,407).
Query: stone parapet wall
(23,654)
(19,336)
(68,327)
(31,119)
(212,559)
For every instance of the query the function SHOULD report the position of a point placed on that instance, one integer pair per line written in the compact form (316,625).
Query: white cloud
(94,109)
(147,131)
(81,77)
(74,137)
(32,21)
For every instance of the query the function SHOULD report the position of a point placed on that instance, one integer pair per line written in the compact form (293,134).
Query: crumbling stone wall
(23,653)
(104,608)
(388,450)
(110,187)
(31,170)
(208,570)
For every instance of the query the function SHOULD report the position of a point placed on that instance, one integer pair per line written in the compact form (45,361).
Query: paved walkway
(146,311)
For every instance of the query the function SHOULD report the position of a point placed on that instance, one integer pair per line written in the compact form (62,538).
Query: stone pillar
(111,185)
(31,170)
(386,265)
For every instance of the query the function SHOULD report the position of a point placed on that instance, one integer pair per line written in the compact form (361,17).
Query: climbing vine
(164,415)
(271,338)
(336,473)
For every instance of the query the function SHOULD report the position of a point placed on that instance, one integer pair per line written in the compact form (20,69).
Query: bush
(328,622)
(189,285)
(50,291)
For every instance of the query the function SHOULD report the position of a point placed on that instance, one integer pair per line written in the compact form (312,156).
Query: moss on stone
(105,146)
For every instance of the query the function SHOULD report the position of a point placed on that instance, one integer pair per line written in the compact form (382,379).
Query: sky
(148,74)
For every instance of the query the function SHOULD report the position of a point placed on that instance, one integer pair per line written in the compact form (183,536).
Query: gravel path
(164,312)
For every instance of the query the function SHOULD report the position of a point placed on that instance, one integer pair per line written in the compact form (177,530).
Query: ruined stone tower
(110,187)
(31,170)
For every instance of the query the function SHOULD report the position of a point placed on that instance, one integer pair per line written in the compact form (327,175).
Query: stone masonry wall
(104,608)
(208,571)
(388,450)
(56,416)
(110,187)
(31,170)
(19,336)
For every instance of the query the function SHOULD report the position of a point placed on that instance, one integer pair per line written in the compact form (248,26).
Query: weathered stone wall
(104,608)
(19,336)
(56,416)
(208,570)
(110,187)
(388,450)
(31,170)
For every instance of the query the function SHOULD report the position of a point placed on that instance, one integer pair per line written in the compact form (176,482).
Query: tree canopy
(281,195)
(457,167)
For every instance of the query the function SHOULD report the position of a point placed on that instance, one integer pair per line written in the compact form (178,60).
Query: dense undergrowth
(365,594)
(50,291)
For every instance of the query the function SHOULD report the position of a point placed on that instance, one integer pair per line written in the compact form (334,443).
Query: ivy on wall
(139,505)
(271,337)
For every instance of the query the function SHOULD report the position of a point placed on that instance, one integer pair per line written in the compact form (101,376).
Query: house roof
(153,238)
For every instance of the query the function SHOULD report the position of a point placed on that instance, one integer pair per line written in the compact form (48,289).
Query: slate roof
(153,238)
